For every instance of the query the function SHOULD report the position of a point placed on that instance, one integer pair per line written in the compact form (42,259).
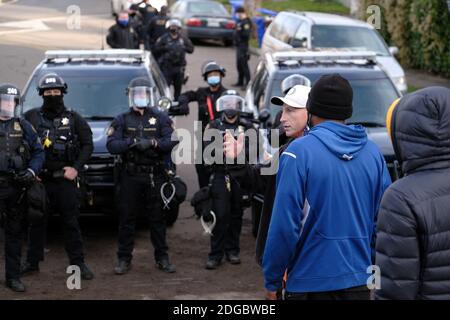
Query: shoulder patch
(110,131)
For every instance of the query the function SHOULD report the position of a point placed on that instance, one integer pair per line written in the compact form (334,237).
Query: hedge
(419,28)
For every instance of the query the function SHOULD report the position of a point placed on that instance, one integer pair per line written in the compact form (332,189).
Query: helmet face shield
(8,104)
(141,97)
(230,102)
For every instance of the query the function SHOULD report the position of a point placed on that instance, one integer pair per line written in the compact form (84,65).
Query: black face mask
(53,104)
(230,114)
(173,32)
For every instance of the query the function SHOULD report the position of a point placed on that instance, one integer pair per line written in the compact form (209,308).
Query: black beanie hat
(331,98)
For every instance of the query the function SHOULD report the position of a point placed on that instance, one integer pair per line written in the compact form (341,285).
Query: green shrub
(419,28)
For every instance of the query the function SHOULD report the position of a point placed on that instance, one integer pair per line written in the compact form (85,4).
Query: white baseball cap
(296,97)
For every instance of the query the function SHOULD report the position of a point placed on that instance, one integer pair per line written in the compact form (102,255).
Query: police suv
(97,80)
(373,91)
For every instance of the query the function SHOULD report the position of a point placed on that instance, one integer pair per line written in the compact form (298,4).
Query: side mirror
(164,103)
(393,50)
(264,115)
(299,43)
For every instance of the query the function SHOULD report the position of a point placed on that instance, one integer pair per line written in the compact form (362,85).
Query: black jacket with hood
(413,230)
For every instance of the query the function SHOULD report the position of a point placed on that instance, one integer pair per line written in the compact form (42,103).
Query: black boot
(122,267)
(15,285)
(29,268)
(165,266)
(86,273)
(233,258)
(212,264)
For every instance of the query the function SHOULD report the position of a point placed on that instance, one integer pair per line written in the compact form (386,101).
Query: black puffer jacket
(413,229)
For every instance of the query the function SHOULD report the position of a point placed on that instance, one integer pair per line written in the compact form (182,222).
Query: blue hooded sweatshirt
(329,187)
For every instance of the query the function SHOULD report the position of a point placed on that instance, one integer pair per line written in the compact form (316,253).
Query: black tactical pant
(228,210)
(12,213)
(63,197)
(135,191)
(242,57)
(174,76)
(203,175)
(355,293)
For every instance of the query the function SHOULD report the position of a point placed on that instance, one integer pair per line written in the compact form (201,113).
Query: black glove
(144,144)
(184,109)
(25,177)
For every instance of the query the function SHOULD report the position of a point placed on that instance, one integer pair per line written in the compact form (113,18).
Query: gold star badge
(17,126)
(65,121)
(152,121)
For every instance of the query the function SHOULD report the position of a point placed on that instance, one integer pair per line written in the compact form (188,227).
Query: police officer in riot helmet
(226,184)
(147,11)
(206,98)
(156,28)
(21,159)
(142,137)
(171,50)
(293,80)
(67,141)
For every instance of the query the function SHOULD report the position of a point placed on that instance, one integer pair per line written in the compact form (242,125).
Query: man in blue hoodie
(329,187)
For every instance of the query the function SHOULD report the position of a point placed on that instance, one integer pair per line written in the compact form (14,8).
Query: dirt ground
(188,251)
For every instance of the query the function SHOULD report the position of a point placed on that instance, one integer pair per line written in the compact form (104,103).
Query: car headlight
(399,81)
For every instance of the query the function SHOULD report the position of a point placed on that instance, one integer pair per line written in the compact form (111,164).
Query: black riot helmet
(230,104)
(141,93)
(9,100)
(51,81)
(211,66)
(294,80)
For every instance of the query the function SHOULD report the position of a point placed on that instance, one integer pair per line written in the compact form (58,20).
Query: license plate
(213,23)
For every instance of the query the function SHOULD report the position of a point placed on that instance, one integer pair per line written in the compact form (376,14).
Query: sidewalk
(421,79)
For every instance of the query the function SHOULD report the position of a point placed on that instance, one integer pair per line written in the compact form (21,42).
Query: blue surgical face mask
(214,80)
(123,22)
(140,103)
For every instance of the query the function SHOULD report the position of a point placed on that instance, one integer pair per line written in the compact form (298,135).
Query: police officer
(156,28)
(226,186)
(67,141)
(147,12)
(171,50)
(21,159)
(242,36)
(206,98)
(122,35)
(291,124)
(294,80)
(142,137)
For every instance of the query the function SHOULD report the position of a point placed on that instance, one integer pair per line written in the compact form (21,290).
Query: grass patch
(412,88)
(328,6)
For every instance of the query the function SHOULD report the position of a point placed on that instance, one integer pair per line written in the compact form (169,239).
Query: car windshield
(206,8)
(91,93)
(371,99)
(359,38)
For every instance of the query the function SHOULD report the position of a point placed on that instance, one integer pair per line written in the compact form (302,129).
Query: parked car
(97,80)
(373,93)
(122,5)
(312,30)
(203,19)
